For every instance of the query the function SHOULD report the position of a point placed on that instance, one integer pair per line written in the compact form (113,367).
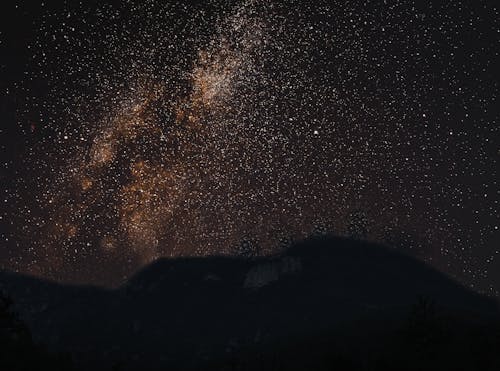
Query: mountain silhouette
(187,312)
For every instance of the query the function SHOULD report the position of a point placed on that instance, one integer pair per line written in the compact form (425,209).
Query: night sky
(134,130)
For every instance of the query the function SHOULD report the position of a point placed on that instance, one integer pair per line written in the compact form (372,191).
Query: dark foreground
(325,304)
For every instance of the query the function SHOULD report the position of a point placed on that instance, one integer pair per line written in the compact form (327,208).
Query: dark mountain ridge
(192,311)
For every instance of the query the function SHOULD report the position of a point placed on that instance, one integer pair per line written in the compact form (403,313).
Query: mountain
(331,293)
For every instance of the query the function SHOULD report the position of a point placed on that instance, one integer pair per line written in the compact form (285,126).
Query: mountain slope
(192,310)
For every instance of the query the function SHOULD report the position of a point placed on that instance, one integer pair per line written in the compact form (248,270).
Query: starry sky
(134,130)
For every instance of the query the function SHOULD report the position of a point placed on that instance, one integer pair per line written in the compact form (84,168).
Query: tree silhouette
(15,338)
(17,349)
(320,229)
(357,226)
(285,241)
(248,248)
(425,326)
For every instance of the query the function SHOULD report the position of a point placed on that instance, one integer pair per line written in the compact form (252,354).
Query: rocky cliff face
(265,273)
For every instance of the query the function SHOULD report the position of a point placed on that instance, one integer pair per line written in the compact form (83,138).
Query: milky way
(161,129)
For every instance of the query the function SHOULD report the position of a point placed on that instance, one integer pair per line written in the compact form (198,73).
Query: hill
(320,303)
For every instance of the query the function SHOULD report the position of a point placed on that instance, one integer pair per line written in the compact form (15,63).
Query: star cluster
(168,129)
